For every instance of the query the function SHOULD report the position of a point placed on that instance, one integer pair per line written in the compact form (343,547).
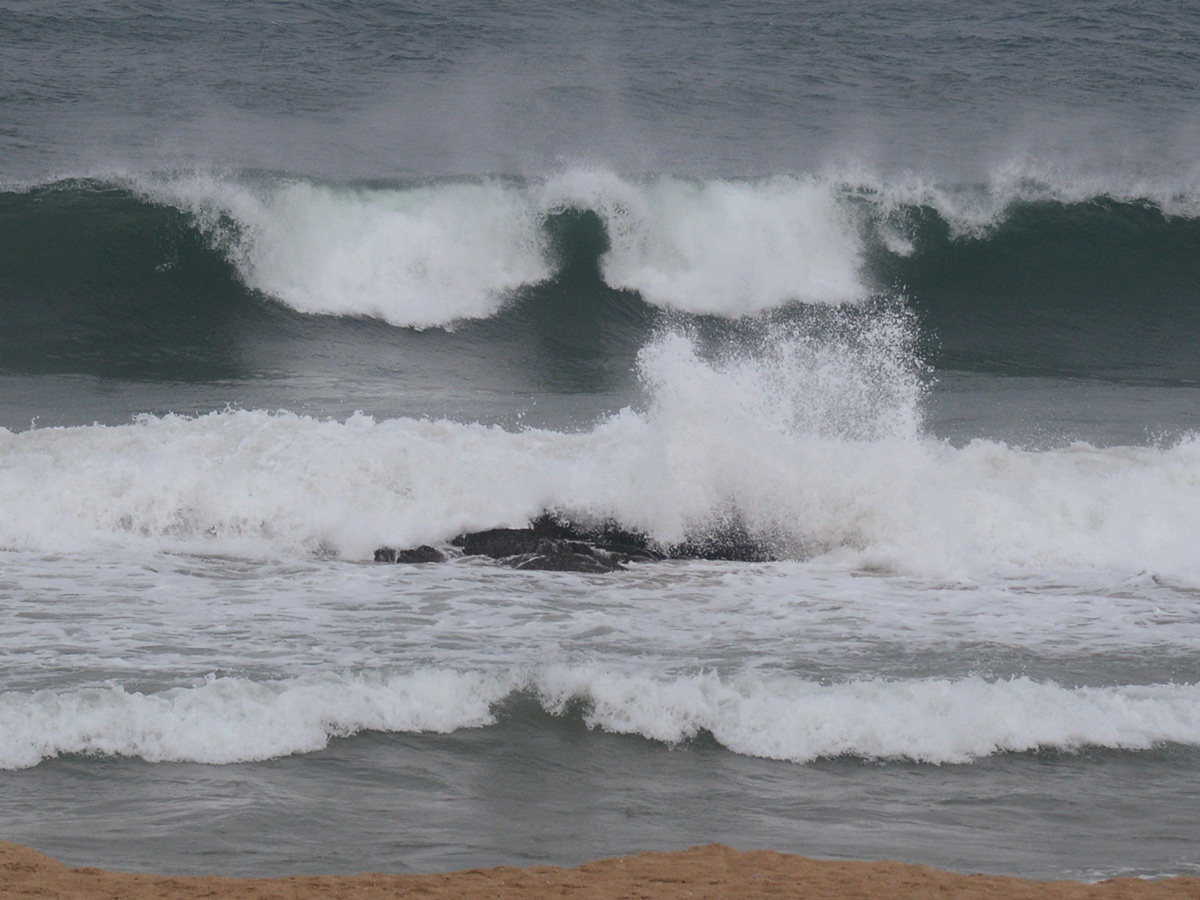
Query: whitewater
(816,448)
(974,566)
(907,299)
(436,253)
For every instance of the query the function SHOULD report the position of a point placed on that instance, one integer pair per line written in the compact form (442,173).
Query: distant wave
(431,253)
(935,720)
(1020,276)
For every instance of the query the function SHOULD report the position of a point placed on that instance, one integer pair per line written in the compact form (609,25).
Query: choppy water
(910,294)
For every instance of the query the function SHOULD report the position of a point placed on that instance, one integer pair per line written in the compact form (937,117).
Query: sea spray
(813,444)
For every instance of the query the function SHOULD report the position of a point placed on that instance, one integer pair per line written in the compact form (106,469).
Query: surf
(226,719)
(812,440)
(438,253)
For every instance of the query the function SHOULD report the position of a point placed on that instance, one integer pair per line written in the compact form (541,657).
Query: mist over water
(732,88)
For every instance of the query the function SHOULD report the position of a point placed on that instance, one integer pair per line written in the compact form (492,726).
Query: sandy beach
(702,872)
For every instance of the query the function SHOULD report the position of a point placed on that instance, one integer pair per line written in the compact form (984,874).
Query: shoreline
(710,871)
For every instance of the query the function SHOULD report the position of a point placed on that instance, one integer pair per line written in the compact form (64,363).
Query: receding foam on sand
(701,872)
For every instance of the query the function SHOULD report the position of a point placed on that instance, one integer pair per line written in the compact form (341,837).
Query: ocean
(906,294)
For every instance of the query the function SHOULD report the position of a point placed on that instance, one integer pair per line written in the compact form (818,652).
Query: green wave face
(100,279)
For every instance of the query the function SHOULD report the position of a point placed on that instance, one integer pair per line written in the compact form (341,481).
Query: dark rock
(422,554)
(529,548)
(559,546)
(630,552)
(606,537)
(553,543)
(498,542)
(719,548)
(564,561)
(730,540)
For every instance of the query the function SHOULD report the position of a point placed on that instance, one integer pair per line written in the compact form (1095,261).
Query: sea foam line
(227,719)
(935,720)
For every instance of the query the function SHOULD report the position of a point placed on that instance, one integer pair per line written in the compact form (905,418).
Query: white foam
(436,253)
(776,716)
(814,444)
(224,720)
(931,720)
(433,254)
(420,256)
(722,247)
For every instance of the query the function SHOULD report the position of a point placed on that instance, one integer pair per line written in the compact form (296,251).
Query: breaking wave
(230,719)
(427,254)
(809,439)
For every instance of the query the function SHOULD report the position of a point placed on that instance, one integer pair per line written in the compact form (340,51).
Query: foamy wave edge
(229,719)
(820,456)
(432,254)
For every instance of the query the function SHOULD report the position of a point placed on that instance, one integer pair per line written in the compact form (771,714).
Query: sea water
(908,295)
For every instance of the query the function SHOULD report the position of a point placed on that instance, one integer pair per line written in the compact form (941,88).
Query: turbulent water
(908,295)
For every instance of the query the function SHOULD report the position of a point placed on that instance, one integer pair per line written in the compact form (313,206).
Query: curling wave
(165,276)
(936,720)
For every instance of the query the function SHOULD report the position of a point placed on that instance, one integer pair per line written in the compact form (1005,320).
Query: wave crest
(431,254)
(936,720)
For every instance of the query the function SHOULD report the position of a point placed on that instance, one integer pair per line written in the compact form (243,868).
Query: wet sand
(701,872)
